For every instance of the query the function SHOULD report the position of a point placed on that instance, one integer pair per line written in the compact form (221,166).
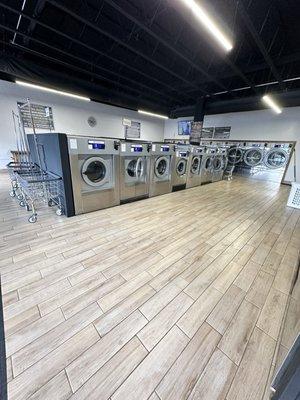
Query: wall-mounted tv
(184,127)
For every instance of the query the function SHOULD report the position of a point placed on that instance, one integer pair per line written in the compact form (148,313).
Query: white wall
(70,116)
(255,125)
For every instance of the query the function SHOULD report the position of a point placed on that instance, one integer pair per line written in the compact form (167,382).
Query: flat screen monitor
(184,127)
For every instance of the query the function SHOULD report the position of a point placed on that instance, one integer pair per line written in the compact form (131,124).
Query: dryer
(94,165)
(180,167)
(194,166)
(219,164)
(254,155)
(134,170)
(161,165)
(207,165)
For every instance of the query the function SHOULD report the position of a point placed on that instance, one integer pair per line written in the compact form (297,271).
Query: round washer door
(195,165)
(276,158)
(208,163)
(161,167)
(217,163)
(235,155)
(94,171)
(253,157)
(135,168)
(181,167)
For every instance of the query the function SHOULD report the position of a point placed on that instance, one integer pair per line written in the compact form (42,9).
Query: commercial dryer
(194,166)
(180,167)
(162,159)
(94,165)
(219,164)
(207,165)
(134,170)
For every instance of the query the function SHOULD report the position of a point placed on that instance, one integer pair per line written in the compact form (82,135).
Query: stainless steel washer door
(235,155)
(94,171)
(181,167)
(253,157)
(276,158)
(135,168)
(208,163)
(161,167)
(217,163)
(195,165)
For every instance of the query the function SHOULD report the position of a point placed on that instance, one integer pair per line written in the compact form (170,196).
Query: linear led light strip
(45,89)
(271,103)
(209,24)
(153,114)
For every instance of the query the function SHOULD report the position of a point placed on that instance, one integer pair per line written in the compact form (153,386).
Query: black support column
(198,121)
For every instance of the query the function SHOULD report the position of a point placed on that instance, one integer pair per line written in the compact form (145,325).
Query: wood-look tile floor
(176,297)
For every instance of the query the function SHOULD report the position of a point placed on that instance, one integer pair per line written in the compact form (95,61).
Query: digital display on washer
(165,148)
(183,154)
(136,148)
(96,145)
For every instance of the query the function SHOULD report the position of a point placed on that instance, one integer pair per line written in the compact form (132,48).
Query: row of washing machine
(259,154)
(100,172)
(107,172)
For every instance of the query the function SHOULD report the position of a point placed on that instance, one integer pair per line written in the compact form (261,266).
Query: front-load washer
(207,165)
(235,155)
(94,164)
(194,167)
(162,159)
(276,158)
(180,167)
(254,156)
(134,170)
(219,164)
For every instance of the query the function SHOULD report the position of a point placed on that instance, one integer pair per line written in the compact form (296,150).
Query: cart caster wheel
(59,212)
(22,203)
(32,219)
(12,194)
(20,197)
(50,203)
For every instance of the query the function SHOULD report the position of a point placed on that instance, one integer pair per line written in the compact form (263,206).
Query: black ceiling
(152,54)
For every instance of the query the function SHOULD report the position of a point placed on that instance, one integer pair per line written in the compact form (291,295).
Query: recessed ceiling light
(153,114)
(271,103)
(45,89)
(209,24)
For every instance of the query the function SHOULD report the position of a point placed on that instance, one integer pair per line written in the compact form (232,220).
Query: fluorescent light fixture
(271,103)
(209,24)
(45,89)
(153,114)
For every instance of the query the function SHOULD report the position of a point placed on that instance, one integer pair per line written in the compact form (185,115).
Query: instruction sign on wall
(42,116)
(133,131)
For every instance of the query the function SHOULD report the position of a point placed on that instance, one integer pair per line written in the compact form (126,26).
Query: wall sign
(133,131)
(42,116)
(222,132)
(184,127)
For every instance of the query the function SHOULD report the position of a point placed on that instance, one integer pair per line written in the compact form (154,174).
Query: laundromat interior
(149,200)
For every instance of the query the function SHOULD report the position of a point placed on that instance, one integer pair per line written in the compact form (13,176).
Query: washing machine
(277,157)
(254,155)
(207,165)
(161,165)
(94,165)
(235,154)
(219,164)
(134,170)
(194,166)
(180,167)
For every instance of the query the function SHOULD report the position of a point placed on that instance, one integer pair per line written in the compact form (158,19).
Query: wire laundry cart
(30,184)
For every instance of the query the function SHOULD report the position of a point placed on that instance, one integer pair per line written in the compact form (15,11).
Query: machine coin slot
(116,145)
